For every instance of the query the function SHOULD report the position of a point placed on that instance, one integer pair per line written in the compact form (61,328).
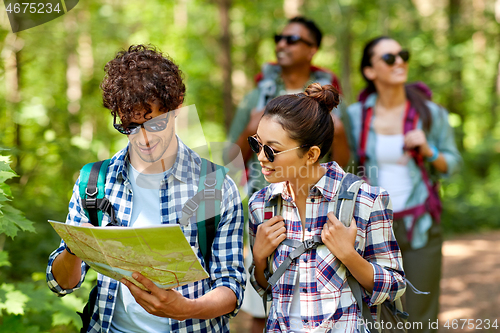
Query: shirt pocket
(328,268)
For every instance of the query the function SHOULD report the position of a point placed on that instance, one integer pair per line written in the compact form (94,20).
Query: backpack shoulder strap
(272,208)
(344,209)
(411,118)
(346,198)
(365,310)
(366,118)
(206,205)
(92,192)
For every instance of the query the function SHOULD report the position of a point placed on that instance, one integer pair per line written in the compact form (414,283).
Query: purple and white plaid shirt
(326,301)
(179,185)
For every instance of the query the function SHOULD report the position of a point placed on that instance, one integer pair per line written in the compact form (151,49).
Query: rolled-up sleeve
(227,267)
(75,217)
(443,138)
(383,253)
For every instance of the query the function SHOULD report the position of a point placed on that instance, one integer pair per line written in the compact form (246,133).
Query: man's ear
(313,155)
(369,73)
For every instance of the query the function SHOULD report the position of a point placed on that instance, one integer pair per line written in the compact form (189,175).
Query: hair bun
(327,96)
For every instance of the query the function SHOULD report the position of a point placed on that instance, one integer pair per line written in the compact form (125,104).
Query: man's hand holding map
(161,253)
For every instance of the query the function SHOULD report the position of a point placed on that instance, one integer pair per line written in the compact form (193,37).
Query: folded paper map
(160,253)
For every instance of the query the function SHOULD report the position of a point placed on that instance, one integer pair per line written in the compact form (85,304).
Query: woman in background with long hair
(405,143)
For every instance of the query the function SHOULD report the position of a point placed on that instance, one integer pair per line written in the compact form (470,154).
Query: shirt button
(309,229)
(305,260)
(110,297)
(305,320)
(304,290)
(312,200)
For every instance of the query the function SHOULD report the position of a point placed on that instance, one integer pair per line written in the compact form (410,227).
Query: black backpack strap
(90,201)
(212,222)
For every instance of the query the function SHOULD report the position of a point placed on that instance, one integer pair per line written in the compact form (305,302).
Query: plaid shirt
(180,184)
(326,301)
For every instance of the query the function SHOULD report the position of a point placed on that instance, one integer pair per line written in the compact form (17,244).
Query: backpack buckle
(190,207)
(90,203)
(104,205)
(212,183)
(91,194)
(209,193)
(310,244)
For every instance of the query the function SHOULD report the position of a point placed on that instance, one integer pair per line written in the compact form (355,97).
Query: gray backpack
(390,315)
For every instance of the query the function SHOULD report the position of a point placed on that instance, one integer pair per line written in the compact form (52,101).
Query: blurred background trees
(52,119)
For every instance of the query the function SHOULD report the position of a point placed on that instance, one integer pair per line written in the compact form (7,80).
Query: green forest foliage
(52,119)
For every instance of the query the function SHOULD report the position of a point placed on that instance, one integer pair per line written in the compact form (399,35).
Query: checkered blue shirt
(179,185)
(326,301)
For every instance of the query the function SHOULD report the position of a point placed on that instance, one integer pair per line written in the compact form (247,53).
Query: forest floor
(470,286)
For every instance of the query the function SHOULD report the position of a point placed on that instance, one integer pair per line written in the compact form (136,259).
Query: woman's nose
(399,60)
(261,156)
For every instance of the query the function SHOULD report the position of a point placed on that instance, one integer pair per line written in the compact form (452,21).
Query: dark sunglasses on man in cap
(291,39)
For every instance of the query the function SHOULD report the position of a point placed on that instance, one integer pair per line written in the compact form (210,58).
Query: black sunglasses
(390,58)
(270,153)
(156,124)
(291,39)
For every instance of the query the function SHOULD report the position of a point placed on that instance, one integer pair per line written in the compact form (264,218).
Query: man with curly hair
(144,90)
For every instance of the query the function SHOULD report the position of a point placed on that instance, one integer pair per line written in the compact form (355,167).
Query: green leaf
(14,300)
(6,190)
(5,175)
(4,259)
(5,170)
(3,196)
(4,163)
(13,220)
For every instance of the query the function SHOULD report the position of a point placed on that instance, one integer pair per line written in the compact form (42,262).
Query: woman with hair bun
(406,143)
(313,294)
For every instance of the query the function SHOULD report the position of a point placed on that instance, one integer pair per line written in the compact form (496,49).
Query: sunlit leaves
(12,300)
(4,258)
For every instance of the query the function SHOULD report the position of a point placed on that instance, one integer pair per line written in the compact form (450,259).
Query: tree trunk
(345,40)
(495,101)
(2,241)
(455,100)
(225,61)
(13,95)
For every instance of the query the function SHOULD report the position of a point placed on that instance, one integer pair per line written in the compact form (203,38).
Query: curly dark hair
(137,77)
